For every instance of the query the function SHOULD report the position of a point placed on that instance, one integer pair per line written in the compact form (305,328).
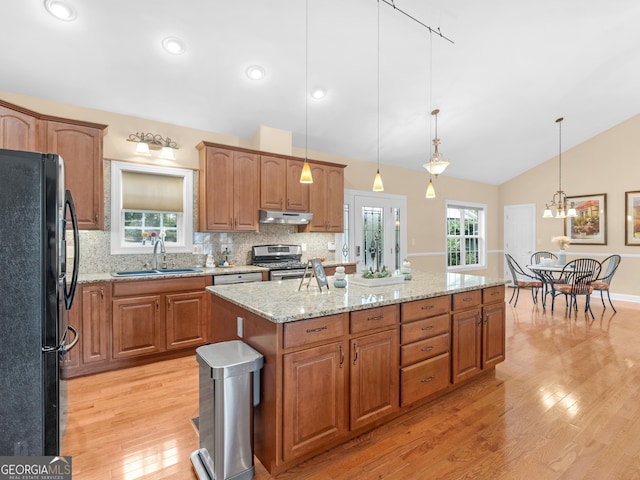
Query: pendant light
(437,164)
(305,175)
(559,199)
(377,182)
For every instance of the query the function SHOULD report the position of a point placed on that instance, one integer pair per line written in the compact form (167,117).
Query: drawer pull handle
(427,349)
(428,327)
(426,307)
(495,293)
(379,317)
(467,299)
(427,380)
(316,330)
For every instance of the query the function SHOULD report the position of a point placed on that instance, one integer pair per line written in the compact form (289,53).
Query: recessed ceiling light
(61,10)
(318,93)
(174,45)
(255,72)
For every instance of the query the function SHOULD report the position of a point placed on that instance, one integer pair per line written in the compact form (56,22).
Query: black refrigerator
(35,293)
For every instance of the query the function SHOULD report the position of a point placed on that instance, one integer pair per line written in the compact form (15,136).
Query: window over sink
(149,203)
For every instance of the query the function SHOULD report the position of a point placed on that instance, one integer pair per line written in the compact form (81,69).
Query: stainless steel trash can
(229,381)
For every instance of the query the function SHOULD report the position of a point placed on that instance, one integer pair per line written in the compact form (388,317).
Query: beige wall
(607,163)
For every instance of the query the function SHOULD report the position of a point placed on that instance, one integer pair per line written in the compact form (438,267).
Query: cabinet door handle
(168,303)
(426,307)
(355,352)
(341,356)
(157,305)
(101,294)
(428,327)
(379,317)
(427,349)
(429,379)
(315,330)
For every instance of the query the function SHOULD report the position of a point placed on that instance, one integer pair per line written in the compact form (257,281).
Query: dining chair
(521,279)
(609,267)
(535,258)
(579,275)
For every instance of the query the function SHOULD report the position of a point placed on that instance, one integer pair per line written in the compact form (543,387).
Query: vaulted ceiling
(511,69)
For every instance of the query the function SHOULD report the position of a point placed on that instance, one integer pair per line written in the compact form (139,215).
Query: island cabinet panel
(18,130)
(424,379)
(425,328)
(137,326)
(374,377)
(314,330)
(373,318)
(428,307)
(314,399)
(423,349)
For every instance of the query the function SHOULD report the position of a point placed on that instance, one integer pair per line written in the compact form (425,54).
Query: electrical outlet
(304,247)
(331,246)
(240,326)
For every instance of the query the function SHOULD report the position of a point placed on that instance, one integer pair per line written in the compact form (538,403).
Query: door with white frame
(519,234)
(377,221)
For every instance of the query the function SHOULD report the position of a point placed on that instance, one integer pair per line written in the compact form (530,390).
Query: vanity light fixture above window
(61,10)
(147,141)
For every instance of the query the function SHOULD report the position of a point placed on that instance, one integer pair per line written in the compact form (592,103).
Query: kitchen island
(339,362)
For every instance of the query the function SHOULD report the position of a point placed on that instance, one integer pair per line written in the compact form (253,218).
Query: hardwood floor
(564,405)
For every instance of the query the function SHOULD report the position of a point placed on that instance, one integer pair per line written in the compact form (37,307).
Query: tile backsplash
(95,246)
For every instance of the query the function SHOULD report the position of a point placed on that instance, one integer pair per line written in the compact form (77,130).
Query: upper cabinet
(18,131)
(326,198)
(81,149)
(78,143)
(280,187)
(229,193)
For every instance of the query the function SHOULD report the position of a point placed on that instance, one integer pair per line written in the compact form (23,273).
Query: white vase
(562,257)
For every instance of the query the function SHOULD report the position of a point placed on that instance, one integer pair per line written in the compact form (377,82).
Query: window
(465,236)
(149,203)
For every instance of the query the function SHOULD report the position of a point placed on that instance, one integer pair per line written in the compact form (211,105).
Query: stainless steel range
(283,261)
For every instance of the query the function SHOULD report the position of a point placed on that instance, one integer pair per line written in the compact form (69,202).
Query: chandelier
(559,199)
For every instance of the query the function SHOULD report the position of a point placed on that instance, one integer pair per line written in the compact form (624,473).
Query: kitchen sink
(162,271)
(168,271)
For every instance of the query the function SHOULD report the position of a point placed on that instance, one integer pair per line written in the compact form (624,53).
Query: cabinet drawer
(493,294)
(428,307)
(424,349)
(314,330)
(423,379)
(363,320)
(414,331)
(463,300)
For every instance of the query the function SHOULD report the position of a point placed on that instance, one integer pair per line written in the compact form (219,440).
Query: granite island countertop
(281,302)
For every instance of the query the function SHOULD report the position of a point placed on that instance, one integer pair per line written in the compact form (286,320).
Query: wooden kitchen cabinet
(18,129)
(96,309)
(315,411)
(280,187)
(326,198)
(154,316)
(478,332)
(229,193)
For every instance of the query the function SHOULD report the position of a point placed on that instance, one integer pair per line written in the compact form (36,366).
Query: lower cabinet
(315,398)
(184,314)
(137,326)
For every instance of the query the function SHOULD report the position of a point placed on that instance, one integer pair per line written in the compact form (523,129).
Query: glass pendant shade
(305,175)
(571,213)
(167,153)
(431,192)
(142,149)
(547,213)
(377,183)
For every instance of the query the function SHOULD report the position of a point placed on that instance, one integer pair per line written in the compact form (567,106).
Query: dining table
(548,275)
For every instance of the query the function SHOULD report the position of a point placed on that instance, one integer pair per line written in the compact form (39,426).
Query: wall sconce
(146,141)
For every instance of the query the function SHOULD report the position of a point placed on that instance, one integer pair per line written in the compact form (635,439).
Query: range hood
(279,216)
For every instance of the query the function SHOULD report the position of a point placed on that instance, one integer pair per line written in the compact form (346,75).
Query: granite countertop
(281,302)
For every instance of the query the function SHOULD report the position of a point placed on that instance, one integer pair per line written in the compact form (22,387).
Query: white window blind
(151,192)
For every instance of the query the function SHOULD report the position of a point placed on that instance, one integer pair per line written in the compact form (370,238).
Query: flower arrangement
(563,241)
(144,237)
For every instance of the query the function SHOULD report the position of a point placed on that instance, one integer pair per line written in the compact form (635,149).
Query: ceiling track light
(377,181)
(147,141)
(559,199)
(305,175)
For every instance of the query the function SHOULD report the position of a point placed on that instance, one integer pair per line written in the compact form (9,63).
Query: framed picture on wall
(632,215)
(589,227)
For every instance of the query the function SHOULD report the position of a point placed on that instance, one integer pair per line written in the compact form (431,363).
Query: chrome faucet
(154,264)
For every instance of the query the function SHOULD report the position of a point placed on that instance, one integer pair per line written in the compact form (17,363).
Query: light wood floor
(564,405)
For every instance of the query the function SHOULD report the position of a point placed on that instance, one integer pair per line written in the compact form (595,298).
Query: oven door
(286,274)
